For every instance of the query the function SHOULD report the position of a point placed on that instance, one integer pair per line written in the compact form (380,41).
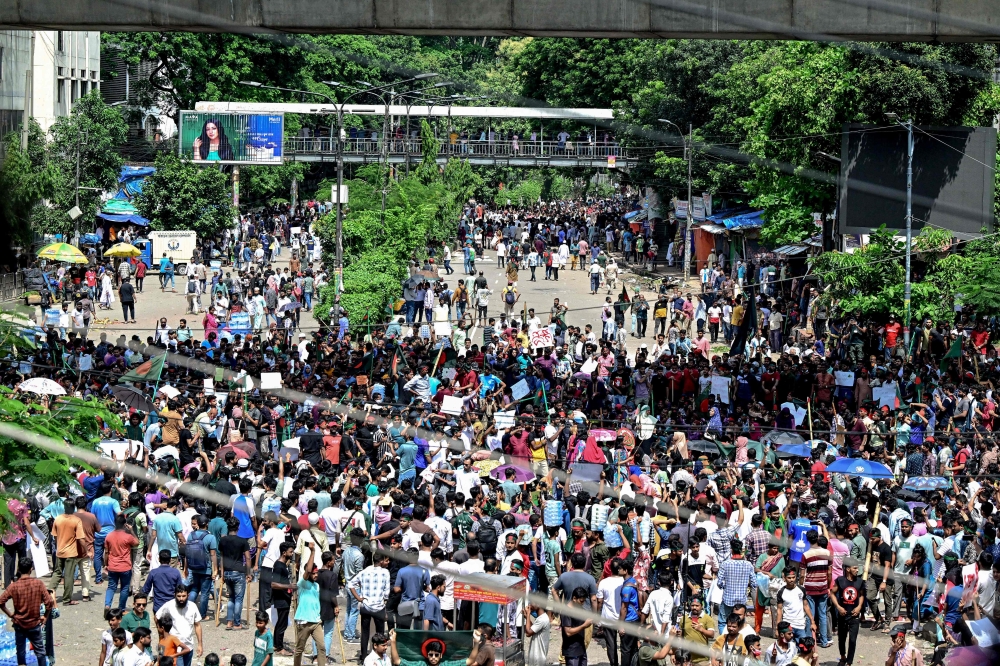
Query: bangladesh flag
(149,371)
(954,352)
(414,646)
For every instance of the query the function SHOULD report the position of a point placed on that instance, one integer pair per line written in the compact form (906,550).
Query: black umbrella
(133,398)
(779,438)
(704,446)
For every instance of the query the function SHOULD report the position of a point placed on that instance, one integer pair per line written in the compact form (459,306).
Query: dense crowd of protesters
(651,486)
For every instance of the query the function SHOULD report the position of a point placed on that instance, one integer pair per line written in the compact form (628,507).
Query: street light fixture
(689,151)
(908,126)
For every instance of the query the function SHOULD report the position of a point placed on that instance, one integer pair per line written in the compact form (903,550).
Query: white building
(64,65)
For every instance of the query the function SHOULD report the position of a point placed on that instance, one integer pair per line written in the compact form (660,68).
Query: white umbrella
(41,386)
(164,451)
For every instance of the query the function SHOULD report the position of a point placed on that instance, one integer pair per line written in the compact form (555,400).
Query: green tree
(26,178)
(181,195)
(96,130)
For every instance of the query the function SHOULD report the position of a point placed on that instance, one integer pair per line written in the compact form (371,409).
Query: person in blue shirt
(167,533)
(201,576)
(162,581)
(309,623)
(104,508)
(412,582)
(92,484)
(629,609)
(433,619)
(407,453)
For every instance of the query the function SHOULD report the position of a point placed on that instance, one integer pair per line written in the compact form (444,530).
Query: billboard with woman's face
(232,138)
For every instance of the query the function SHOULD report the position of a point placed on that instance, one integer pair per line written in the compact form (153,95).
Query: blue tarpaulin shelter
(750,220)
(124,219)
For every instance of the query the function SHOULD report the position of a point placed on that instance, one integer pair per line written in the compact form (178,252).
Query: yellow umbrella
(122,250)
(62,252)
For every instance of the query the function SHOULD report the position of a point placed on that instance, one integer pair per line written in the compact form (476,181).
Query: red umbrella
(241,449)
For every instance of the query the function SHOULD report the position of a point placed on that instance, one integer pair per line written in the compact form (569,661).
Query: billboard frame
(240,125)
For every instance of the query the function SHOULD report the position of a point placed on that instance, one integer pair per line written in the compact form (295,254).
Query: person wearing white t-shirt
(659,606)
(269,538)
(186,619)
(609,594)
(792,607)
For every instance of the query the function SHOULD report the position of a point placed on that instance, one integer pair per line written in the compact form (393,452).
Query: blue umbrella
(923,483)
(794,451)
(860,467)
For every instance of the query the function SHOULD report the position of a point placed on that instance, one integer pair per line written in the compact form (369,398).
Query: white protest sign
(270,380)
(885,396)
(720,388)
(799,413)
(442,328)
(844,378)
(38,555)
(504,420)
(589,366)
(542,338)
(209,386)
(452,405)
(519,390)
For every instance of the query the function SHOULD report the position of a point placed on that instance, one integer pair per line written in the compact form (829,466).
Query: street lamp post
(689,153)
(908,125)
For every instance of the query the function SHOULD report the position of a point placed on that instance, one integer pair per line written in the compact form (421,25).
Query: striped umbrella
(62,252)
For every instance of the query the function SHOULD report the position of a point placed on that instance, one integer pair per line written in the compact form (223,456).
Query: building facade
(65,66)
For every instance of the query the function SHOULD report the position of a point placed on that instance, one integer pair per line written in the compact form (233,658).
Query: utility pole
(909,231)
(908,126)
(690,211)
(81,138)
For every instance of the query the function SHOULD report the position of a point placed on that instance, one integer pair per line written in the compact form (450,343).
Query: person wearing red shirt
(892,330)
(118,547)
(979,336)
(818,467)
(691,375)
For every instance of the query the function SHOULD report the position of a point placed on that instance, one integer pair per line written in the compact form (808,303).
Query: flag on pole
(149,371)
(954,352)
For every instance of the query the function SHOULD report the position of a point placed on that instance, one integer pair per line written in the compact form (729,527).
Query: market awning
(791,250)
(635,215)
(711,228)
(138,220)
(752,220)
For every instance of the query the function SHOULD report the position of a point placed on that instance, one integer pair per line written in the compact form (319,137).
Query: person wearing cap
(901,653)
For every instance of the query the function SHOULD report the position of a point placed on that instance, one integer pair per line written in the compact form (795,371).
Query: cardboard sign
(519,390)
(270,380)
(844,378)
(504,420)
(798,413)
(452,405)
(885,396)
(720,388)
(542,338)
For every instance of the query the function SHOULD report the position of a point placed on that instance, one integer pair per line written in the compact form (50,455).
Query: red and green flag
(148,371)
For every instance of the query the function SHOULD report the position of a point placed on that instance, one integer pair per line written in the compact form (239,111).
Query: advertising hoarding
(232,138)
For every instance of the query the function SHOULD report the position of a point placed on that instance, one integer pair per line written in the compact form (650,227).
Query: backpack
(509,297)
(621,599)
(130,514)
(196,553)
(487,535)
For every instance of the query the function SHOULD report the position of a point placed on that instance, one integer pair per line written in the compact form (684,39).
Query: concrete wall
(914,20)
